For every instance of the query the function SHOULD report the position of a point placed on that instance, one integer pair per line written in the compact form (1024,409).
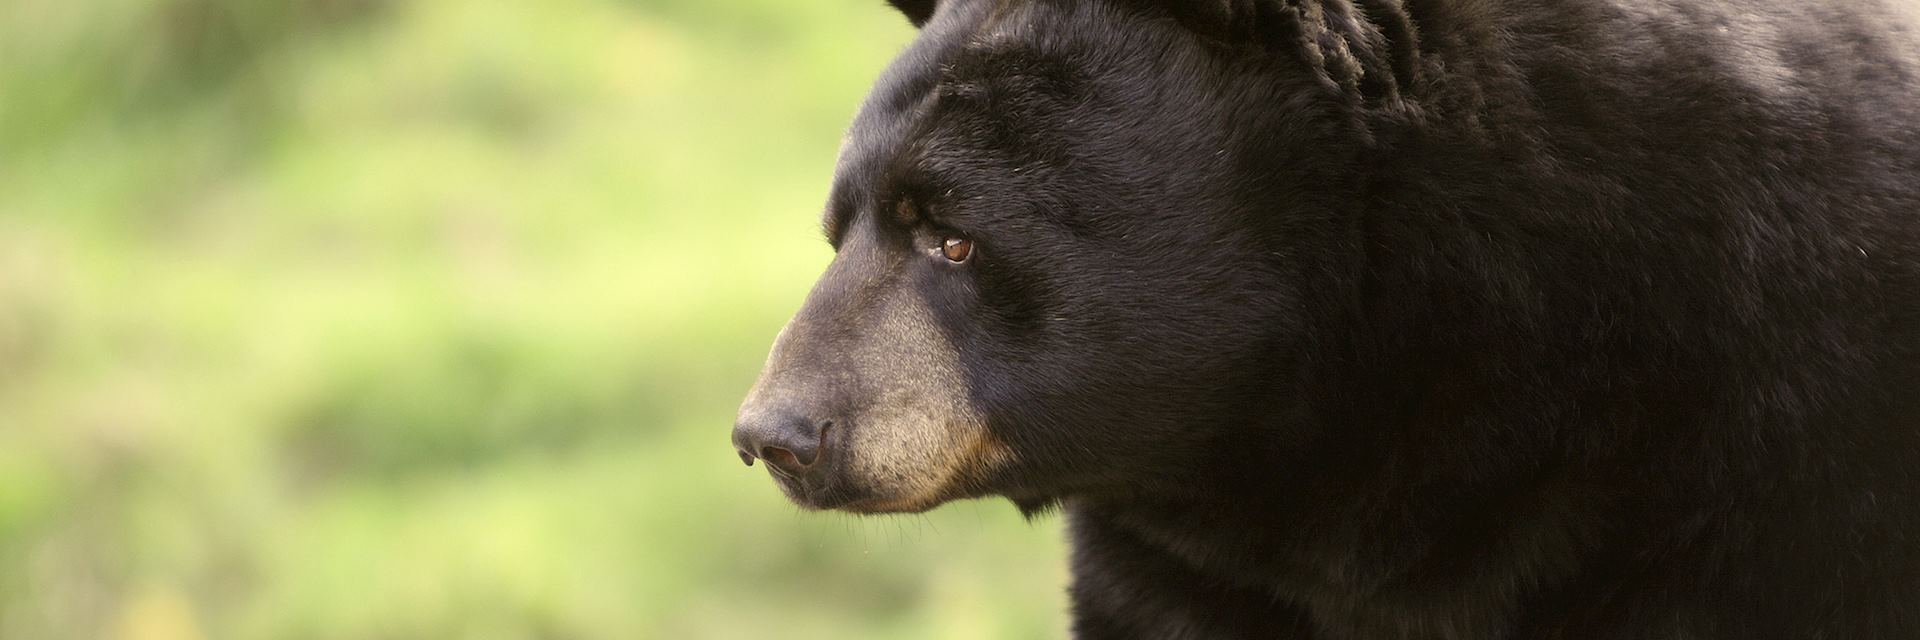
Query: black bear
(1353,319)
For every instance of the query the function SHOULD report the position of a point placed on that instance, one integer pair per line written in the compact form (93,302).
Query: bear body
(1353,319)
(1633,353)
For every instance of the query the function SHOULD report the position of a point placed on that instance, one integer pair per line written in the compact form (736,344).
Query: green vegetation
(360,319)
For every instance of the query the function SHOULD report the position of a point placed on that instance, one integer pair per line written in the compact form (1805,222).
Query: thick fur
(1353,319)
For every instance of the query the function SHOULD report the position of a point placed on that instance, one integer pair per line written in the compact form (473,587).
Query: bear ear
(917,11)
(1226,20)
(1366,48)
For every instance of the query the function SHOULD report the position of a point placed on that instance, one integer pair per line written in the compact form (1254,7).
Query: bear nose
(789,443)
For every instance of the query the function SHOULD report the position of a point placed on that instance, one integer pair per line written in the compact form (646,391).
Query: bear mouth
(819,489)
(822,488)
(835,479)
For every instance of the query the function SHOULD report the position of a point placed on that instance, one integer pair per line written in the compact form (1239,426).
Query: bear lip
(819,488)
(815,493)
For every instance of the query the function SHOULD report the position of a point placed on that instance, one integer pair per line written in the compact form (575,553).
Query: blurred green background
(427,319)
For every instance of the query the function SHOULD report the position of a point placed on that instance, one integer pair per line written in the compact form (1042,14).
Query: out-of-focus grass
(363,319)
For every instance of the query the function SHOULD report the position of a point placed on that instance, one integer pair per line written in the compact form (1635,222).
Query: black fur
(1433,318)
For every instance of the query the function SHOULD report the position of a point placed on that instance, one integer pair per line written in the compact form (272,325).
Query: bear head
(1074,242)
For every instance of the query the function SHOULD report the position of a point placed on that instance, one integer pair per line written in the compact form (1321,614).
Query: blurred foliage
(427,319)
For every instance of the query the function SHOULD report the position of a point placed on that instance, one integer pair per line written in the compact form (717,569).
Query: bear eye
(956,249)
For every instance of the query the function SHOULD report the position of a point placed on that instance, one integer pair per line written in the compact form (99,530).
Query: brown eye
(957,249)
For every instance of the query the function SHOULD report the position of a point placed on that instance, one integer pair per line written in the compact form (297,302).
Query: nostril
(783,458)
